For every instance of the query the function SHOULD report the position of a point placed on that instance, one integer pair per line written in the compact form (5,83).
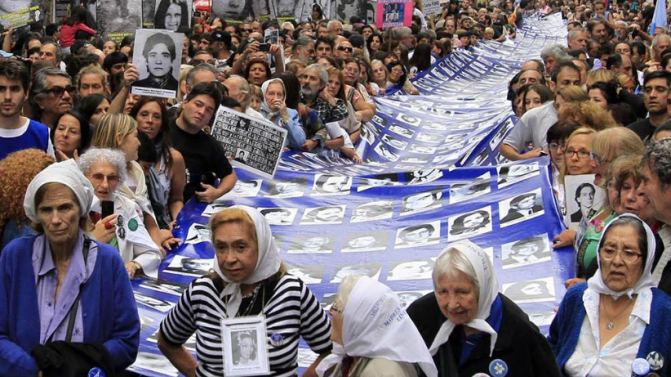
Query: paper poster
(157,55)
(393,13)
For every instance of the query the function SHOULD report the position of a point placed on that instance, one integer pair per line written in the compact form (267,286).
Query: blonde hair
(92,69)
(624,78)
(182,77)
(111,125)
(600,75)
(586,131)
(573,93)
(587,114)
(233,215)
(612,143)
(386,71)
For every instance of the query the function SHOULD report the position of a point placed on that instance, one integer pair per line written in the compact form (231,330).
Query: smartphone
(107,208)
(265,47)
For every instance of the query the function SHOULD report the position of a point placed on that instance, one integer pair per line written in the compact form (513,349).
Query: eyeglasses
(555,146)
(247,30)
(595,158)
(336,309)
(609,253)
(581,153)
(351,70)
(397,70)
(58,91)
(98,178)
(343,48)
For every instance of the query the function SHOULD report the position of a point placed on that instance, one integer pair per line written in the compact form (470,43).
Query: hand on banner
(309,145)
(132,268)
(105,229)
(564,239)
(536,152)
(207,196)
(130,75)
(168,240)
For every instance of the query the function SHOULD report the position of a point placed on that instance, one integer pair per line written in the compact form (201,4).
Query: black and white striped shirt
(291,311)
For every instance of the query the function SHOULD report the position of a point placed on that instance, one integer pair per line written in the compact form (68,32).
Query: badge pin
(276,339)
(498,368)
(132,225)
(122,233)
(656,360)
(640,367)
(96,372)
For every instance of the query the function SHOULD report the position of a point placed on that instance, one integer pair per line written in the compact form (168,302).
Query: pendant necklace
(609,324)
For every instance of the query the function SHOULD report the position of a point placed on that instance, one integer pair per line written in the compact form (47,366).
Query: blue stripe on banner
(433,175)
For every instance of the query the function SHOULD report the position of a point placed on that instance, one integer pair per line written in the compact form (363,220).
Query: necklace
(609,324)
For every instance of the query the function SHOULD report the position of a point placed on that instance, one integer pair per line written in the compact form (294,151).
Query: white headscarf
(596,284)
(376,326)
(489,288)
(66,173)
(267,265)
(264,89)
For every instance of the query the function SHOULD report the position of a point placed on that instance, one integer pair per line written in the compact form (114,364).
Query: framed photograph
(157,55)
(584,199)
(521,208)
(245,347)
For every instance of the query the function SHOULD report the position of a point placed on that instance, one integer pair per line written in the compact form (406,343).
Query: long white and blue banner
(432,175)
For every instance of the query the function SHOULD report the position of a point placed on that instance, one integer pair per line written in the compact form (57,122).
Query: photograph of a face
(312,244)
(157,56)
(365,241)
(521,208)
(245,346)
(418,235)
(538,290)
(460,192)
(323,215)
(326,184)
(530,250)
(411,270)
(469,224)
(378,210)
(422,201)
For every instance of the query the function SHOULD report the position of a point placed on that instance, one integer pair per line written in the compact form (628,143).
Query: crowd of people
(94,176)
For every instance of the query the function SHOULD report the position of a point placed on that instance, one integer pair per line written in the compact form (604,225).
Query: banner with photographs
(116,19)
(393,13)
(432,175)
(255,144)
(157,55)
(17,13)
(167,14)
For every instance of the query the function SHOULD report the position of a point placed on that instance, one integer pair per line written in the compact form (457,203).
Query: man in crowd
(238,89)
(52,94)
(656,92)
(303,50)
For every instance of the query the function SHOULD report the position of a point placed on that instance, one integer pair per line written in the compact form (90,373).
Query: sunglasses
(343,48)
(58,91)
(247,30)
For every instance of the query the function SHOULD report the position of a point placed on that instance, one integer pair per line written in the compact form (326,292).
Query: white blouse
(616,357)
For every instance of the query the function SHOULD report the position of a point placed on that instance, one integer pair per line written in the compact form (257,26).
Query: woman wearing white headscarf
(60,285)
(275,110)
(249,280)
(605,324)
(373,335)
(471,328)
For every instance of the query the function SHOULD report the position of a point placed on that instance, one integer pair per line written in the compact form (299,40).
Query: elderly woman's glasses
(98,178)
(609,253)
(594,157)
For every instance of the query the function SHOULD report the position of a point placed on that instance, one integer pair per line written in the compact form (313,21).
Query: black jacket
(520,345)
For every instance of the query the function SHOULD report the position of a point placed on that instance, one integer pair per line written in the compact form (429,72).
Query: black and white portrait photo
(153,362)
(380,180)
(117,17)
(422,149)
(182,265)
(287,188)
(312,244)
(213,208)
(402,131)
(434,126)
(422,201)
(372,270)
(198,233)
(326,184)
(394,142)
(279,216)
(411,270)
(429,138)
(460,192)
(172,14)
(231,10)
(520,208)
(157,56)
(408,297)
(378,210)
(323,215)
(308,274)
(245,346)
(496,140)
(383,151)
(409,119)
(469,224)
(514,173)
(418,235)
(419,177)
(164,286)
(538,290)
(241,155)
(162,306)
(531,250)
(368,241)
(242,189)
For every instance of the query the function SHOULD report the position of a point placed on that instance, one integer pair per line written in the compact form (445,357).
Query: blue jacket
(565,329)
(108,307)
(295,134)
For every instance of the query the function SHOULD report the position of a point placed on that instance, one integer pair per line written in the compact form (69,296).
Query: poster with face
(411,270)
(323,215)
(116,19)
(279,216)
(422,201)
(530,250)
(231,10)
(243,189)
(394,142)
(372,270)
(210,210)
(402,131)
(287,188)
(521,208)
(523,292)
(514,173)
(326,184)
(198,233)
(182,265)
(367,241)
(419,177)
(469,224)
(308,274)
(312,244)
(408,297)
(168,14)
(418,235)
(157,56)
(460,192)
(380,180)
(378,210)
(583,199)
(385,153)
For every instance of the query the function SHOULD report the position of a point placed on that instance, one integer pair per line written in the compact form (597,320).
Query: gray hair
(450,264)
(655,41)
(401,32)
(573,34)
(303,42)
(288,25)
(331,23)
(95,155)
(191,76)
(59,52)
(556,50)
(346,287)
(621,23)
(658,158)
(40,85)
(323,75)
(243,86)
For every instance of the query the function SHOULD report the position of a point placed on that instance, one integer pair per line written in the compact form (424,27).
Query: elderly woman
(363,310)
(60,285)
(398,78)
(378,77)
(274,108)
(125,230)
(249,280)
(17,170)
(605,324)
(471,328)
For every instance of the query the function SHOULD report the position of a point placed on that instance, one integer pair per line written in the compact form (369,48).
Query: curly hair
(17,171)
(587,114)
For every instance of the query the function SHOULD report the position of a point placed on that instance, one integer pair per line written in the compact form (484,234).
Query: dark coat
(514,214)
(520,345)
